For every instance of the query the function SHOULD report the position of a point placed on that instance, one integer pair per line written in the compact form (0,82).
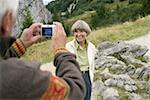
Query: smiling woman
(47,1)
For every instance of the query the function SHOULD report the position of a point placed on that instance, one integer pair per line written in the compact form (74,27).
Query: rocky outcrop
(122,72)
(37,10)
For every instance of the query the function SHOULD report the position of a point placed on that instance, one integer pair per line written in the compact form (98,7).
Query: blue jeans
(87,80)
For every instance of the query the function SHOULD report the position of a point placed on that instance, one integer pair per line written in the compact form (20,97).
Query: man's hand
(31,35)
(59,36)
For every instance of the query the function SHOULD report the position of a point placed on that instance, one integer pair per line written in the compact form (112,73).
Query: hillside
(98,13)
(71,8)
(43,52)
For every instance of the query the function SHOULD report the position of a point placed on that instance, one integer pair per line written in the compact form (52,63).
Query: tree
(146,7)
(28,20)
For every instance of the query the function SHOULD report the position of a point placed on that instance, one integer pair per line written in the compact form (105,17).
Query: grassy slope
(126,31)
(43,52)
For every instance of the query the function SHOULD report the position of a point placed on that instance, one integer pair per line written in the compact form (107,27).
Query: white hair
(8,5)
(80,24)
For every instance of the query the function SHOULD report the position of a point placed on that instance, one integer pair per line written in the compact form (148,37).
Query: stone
(130,70)
(97,89)
(130,60)
(108,48)
(128,88)
(134,96)
(106,73)
(120,83)
(110,82)
(109,62)
(110,94)
(125,67)
(143,73)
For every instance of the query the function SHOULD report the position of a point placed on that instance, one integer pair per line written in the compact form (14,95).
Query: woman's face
(80,35)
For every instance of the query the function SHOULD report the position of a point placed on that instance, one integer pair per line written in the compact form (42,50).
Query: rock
(105,45)
(146,58)
(130,60)
(38,13)
(143,73)
(110,94)
(109,62)
(111,48)
(98,88)
(148,86)
(111,82)
(128,88)
(130,70)
(122,81)
(125,67)
(108,48)
(134,96)
(106,73)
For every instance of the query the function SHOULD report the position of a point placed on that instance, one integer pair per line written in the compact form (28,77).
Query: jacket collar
(77,46)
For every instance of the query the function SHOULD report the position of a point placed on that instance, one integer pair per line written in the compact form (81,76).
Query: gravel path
(48,67)
(143,40)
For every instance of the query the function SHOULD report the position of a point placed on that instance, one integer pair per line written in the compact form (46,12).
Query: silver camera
(47,30)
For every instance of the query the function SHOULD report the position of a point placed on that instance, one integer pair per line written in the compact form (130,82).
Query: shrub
(133,1)
(107,1)
(28,20)
(101,14)
(105,17)
(146,7)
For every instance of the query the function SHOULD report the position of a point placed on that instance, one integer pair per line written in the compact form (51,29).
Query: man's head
(80,30)
(7,15)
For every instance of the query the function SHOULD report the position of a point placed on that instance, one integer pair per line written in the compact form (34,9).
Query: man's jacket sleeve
(11,47)
(23,80)
(68,69)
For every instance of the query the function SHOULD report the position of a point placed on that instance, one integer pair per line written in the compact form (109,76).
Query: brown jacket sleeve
(23,80)
(11,47)
(68,69)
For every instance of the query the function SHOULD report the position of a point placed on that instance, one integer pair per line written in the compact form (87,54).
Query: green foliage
(121,14)
(67,29)
(107,1)
(146,7)
(133,1)
(101,14)
(108,12)
(27,19)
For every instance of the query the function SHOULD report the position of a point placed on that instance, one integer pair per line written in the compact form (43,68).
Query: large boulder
(37,10)
(122,72)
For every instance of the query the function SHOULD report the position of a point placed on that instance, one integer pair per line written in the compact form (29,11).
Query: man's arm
(24,80)
(10,47)
(17,49)
(68,69)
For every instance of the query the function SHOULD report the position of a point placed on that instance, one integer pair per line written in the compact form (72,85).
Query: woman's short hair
(8,5)
(81,25)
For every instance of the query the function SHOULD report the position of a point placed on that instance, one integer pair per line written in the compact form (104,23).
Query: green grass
(123,95)
(42,52)
(126,31)
(113,6)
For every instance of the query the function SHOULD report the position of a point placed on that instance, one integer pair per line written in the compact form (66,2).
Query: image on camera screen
(47,31)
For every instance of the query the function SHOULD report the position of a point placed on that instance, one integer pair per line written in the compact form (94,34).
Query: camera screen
(47,31)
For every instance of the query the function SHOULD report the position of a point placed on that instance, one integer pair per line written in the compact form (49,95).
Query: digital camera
(47,30)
